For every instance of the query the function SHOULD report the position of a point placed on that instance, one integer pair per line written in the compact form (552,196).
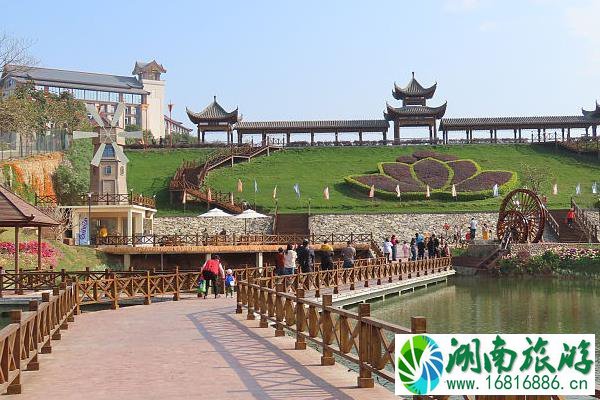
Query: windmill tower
(108,168)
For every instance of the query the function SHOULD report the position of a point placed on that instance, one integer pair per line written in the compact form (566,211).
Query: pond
(506,305)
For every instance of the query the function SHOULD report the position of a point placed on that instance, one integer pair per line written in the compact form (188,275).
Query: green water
(501,305)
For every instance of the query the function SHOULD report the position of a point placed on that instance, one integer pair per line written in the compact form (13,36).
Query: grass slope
(314,169)
(150,171)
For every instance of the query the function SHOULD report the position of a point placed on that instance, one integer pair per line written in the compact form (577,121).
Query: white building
(143,94)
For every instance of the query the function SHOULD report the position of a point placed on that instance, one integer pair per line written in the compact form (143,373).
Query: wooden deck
(180,350)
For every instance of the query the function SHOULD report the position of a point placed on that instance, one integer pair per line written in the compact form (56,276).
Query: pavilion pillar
(228,137)
(18,283)
(568,133)
(264,137)
(491,135)
(239,134)
(288,138)
(544,135)
(520,137)
(435,135)
(337,138)
(203,136)
(360,137)
(312,138)
(39,248)
(515,134)
(586,131)
(129,223)
(539,137)
(198,134)
(396,132)
(594,130)
(495,135)
(385,135)
(467,134)
(562,131)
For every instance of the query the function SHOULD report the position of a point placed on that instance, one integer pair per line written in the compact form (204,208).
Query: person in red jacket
(570,217)
(211,270)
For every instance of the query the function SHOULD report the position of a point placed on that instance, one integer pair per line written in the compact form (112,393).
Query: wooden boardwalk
(187,349)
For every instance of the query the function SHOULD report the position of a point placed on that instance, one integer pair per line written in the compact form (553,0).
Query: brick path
(180,350)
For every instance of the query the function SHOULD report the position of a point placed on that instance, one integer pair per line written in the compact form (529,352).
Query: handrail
(551,221)
(30,333)
(589,228)
(101,199)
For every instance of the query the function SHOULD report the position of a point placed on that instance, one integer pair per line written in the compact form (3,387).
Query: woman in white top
(289,257)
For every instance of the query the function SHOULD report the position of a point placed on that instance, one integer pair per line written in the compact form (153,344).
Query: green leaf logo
(420,364)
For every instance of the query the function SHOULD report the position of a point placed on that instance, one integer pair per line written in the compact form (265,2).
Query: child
(229,283)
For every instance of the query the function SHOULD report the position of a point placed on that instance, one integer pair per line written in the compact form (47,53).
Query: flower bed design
(28,253)
(439,172)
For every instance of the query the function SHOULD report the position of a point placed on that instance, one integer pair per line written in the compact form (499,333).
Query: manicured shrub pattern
(484,181)
(433,154)
(406,159)
(432,172)
(463,169)
(381,182)
(401,172)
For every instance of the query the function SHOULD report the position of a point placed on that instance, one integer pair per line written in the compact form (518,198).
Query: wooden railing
(233,239)
(552,223)
(102,199)
(30,333)
(589,228)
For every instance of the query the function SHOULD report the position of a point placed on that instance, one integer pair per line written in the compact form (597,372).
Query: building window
(128,98)
(90,95)
(79,94)
(53,90)
(102,96)
(113,97)
(107,170)
(137,99)
(109,151)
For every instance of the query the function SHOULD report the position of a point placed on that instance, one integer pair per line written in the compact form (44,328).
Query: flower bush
(28,252)
(439,172)
(563,260)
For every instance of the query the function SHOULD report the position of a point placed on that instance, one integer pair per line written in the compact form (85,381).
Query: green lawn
(150,171)
(314,169)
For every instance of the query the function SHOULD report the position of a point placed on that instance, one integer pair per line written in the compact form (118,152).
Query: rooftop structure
(213,118)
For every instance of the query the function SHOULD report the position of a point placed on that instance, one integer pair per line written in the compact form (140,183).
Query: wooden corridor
(185,349)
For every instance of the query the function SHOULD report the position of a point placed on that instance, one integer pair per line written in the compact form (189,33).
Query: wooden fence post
(148,298)
(15,386)
(47,347)
(365,378)
(33,364)
(250,298)
(300,321)
(418,324)
(2,272)
(327,331)
(238,297)
(264,322)
(279,309)
(177,288)
(115,292)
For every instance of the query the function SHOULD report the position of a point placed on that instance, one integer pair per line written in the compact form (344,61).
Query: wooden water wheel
(523,214)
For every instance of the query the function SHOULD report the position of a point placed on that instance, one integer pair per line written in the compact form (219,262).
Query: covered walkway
(180,350)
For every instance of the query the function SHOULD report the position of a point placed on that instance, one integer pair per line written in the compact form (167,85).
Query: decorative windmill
(108,166)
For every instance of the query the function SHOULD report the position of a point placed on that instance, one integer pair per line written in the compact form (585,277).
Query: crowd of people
(302,257)
(421,246)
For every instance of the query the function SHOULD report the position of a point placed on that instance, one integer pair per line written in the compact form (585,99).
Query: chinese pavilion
(414,111)
(214,118)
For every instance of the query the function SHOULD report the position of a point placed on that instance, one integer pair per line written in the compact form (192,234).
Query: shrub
(463,169)
(406,159)
(432,172)
(484,180)
(402,173)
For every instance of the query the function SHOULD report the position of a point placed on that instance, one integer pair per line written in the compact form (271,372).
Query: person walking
(394,247)
(420,246)
(280,262)
(211,271)
(473,228)
(289,260)
(485,232)
(326,256)
(436,246)
(405,250)
(387,248)
(570,217)
(348,254)
(413,249)
(306,257)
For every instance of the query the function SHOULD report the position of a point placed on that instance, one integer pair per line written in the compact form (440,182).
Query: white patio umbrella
(249,214)
(215,212)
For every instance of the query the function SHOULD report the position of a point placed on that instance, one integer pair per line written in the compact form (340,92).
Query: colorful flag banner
(594,188)
(275,192)
(209,195)
(427,192)
(231,198)
(240,186)
(255,186)
(326,193)
(398,191)
(496,190)
(372,192)
(297,190)
(453,190)
(184,198)
(578,189)
(555,189)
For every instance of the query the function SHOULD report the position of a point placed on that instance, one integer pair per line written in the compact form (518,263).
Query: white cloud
(582,22)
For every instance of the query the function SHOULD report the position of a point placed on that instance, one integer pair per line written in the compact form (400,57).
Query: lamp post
(89,227)
(170,105)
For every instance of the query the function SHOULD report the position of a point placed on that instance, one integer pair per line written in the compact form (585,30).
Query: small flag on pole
(427,192)
(240,186)
(275,192)
(255,186)
(578,189)
(209,195)
(496,191)
(183,199)
(326,193)
(594,188)
(453,190)
(372,192)
(231,198)
(297,190)
(555,189)
(398,191)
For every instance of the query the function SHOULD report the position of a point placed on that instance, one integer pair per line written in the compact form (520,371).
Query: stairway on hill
(297,224)
(568,234)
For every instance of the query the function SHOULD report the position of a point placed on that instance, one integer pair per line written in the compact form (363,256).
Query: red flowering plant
(28,252)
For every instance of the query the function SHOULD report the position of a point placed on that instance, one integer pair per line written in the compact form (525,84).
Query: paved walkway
(181,350)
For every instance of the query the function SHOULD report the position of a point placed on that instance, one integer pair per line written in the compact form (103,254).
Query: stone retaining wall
(213,225)
(537,249)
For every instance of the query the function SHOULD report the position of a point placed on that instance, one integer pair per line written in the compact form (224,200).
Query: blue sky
(332,59)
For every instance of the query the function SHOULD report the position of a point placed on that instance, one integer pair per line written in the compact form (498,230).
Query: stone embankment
(213,225)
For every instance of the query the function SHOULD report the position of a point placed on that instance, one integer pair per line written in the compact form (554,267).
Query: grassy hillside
(150,171)
(313,169)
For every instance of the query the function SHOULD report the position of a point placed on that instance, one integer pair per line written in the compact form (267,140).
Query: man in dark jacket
(306,257)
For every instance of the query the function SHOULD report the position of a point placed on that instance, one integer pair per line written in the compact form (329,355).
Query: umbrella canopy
(215,212)
(250,214)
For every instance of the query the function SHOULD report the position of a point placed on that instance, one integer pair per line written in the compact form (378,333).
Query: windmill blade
(98,156)
(84,135)
(93,111)
(117,115)
(119,154)
(132,135)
